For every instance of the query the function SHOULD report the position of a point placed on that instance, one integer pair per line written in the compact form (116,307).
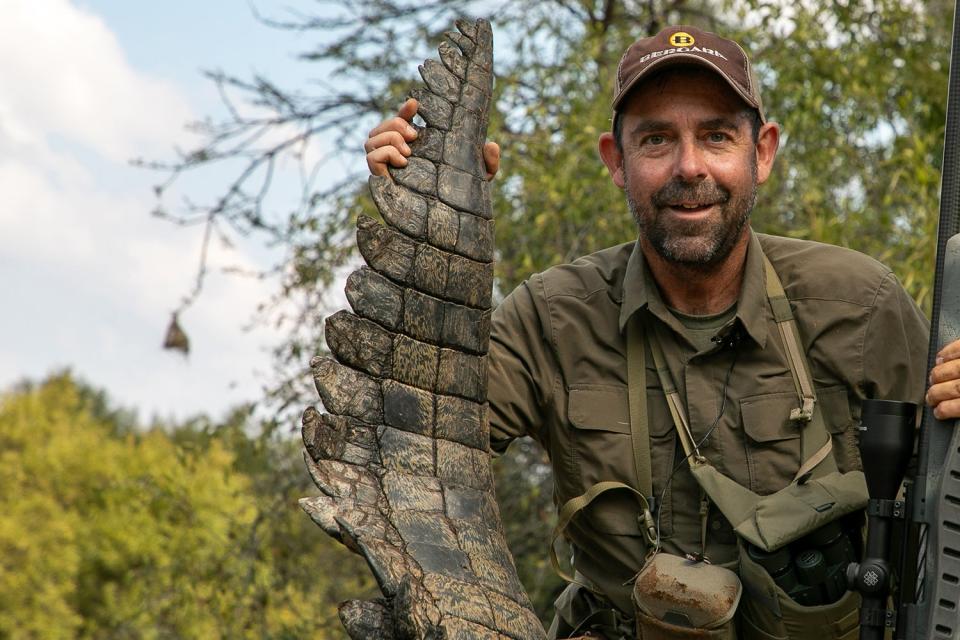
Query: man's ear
(612,157)
(768,141)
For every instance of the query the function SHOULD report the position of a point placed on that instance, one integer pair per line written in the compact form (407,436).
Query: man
(689,146)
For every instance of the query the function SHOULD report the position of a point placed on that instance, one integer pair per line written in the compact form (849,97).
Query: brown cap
(682,44)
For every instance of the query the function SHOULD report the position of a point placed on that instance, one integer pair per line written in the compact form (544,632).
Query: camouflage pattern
(402,456)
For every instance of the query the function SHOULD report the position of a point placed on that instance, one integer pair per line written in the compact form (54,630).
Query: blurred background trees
(112,529)
(187,530)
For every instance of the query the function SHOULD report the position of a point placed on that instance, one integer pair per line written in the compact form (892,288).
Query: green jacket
(558,374)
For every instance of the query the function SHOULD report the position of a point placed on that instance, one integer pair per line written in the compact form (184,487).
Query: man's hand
(944,392)
(387,143)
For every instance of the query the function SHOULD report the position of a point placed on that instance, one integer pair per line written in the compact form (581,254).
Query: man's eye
(716,136)
(656,140)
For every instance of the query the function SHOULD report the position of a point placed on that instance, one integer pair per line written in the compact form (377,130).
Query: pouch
(768,613)
(777,519)
(676,598)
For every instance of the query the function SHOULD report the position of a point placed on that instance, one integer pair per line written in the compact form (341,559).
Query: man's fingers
(386,143)
(949,370)
(949,352)
(944,392)
(385,139)
(401,123)
(491,158)
(941,391)
(378,159)
(947,410)
(397,124)
(408,109)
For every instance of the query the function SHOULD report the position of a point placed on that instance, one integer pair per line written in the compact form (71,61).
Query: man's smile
(687,200)
(685,207)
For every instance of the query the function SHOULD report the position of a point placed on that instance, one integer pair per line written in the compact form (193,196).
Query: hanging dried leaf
(176,339)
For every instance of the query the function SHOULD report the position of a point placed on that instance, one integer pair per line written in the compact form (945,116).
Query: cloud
(66,75)
(87,277)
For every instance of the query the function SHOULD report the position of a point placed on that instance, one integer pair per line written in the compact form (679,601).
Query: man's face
(689,166)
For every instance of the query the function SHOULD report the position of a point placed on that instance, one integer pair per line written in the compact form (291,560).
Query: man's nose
(690,165)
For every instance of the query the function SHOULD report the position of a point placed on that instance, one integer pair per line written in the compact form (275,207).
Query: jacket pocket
(603,448)
(772,440)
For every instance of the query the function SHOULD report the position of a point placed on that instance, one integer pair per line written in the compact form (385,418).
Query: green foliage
(860,90)
(107,533)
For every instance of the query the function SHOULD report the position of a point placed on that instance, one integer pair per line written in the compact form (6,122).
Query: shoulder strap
(674,402)
(790,337)
(575,505)
(739,504)
(637,394)
(640,435)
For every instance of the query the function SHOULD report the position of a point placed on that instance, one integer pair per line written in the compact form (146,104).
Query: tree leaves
(107,532)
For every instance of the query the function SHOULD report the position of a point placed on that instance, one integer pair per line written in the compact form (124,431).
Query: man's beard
(693,243)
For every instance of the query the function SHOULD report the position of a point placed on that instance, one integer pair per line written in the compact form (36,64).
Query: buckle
(648,527)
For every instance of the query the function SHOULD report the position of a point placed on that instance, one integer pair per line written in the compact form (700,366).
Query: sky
(88,278)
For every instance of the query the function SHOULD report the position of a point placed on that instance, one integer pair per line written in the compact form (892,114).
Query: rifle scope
(886,441)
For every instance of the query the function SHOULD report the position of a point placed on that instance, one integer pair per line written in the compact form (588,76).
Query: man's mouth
(690,199)
(690,207)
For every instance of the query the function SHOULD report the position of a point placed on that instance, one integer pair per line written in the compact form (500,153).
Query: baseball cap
(688,45)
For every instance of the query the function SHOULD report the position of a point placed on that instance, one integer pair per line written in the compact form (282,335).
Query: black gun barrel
(931,611)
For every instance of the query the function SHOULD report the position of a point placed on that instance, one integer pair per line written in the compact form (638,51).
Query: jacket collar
(641,292)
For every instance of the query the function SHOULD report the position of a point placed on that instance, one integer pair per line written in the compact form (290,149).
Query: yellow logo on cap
(681,39)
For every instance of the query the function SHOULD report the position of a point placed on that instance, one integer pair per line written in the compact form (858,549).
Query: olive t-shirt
(702,330)
(558,373)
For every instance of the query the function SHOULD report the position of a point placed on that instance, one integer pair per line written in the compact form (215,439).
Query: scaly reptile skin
(402,458)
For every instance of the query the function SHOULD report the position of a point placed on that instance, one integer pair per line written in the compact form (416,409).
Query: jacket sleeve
(895,346)
(522,371)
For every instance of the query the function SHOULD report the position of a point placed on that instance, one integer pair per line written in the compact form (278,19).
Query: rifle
(927,593)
